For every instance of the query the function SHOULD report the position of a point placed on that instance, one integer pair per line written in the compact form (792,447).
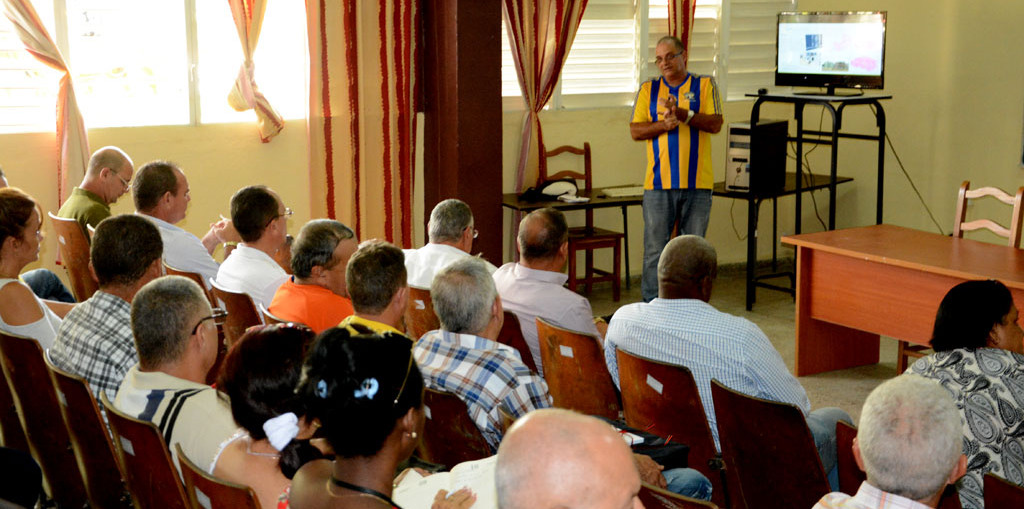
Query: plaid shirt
(482,373)
(95,341)
(867,497)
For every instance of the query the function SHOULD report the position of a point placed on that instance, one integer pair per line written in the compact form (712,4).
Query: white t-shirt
(251,271)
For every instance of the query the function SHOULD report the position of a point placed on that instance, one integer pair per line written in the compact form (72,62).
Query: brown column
(462,105)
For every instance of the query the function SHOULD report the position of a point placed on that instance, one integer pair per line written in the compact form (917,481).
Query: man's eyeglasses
(124,182)
(287,212)
(476,232)
(217,313)
(668,57)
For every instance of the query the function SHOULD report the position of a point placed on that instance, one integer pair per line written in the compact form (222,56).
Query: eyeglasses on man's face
(217,313)
(668,57)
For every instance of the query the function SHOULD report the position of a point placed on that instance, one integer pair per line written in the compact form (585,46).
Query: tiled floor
(774,314)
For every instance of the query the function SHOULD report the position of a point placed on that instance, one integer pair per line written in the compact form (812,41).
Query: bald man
(107,178)
(557,458)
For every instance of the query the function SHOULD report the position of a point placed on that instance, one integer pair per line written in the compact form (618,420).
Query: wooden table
(856,284)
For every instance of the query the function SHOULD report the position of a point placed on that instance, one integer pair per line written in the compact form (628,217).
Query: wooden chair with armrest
(205,491)
(657,498)
(104,479)
(586,238)
(511,334)
(419,313)
(194,276)
(1001,493)
(575,371)
(450,437)
(242,312)
(74,253)
(773,454)
(11,433)
(41,418)
(270,318)
(148,467)
(664,400)
(1012,234)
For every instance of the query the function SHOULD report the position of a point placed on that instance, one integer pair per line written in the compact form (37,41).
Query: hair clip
(368,388)
(321,389)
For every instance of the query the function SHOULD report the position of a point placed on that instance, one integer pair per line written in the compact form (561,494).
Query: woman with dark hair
(259,376)
(367,393)
(21,312)
(979,359)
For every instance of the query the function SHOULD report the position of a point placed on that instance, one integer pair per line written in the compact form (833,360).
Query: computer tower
(756,158)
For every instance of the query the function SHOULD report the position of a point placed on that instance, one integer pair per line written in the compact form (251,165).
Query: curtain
(540,33)
(245,95)
(361,119)
(680,21)
(72,142)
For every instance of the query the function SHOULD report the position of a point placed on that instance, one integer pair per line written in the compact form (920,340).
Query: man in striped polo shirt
(675,115)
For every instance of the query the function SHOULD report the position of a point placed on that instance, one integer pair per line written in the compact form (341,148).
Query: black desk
(597,201)
(793,186)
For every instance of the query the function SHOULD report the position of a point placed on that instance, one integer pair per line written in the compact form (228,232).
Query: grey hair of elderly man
(167,314)
(449,221)
(910,439)
(557,458)
(465,299)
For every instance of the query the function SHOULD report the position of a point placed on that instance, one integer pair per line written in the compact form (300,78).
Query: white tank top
(43,330)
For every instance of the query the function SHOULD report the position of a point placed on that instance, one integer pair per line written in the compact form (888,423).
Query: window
(150,62)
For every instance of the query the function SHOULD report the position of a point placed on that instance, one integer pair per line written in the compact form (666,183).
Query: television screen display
(831,49)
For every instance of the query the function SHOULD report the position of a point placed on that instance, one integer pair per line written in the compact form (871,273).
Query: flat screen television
(830,50)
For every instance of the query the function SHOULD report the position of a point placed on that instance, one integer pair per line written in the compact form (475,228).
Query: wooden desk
(856,284)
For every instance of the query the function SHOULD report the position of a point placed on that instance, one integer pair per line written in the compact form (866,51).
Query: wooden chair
(449,435)
(657,498)
(1001,493)
(771,449)
(12,435)
(206,491)
(586,238)
(194,276)
(419,313)
(905,350)
(242,312)
(104,480)
(511,334)
(664,400)
(850,475)
(74,252)
(149,470)
(575,371)
(36,400)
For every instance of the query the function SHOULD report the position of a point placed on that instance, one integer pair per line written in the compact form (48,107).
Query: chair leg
(572,269)
(617,271)
(901,357)
(589,270)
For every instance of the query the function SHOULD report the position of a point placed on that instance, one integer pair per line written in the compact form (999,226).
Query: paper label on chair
(419,304)
(126,446)
(566,351)
(426,411)
(655,384)
(62,398)
(203,499)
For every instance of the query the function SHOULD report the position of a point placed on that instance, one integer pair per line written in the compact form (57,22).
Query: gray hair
(463,293)
(448,220)
(669,39)
(163,314)
(542,233)
(910,436)
(315,245)
(687,258)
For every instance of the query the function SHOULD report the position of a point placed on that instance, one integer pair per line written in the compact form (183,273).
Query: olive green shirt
(85,207)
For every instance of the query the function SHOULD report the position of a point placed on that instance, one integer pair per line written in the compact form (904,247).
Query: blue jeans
(46,285)
(688,482)
(664,209)
(822,423)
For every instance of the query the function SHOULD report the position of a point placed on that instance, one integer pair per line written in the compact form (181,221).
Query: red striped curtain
(72,142)
(680,21)
(540,33)
(361,119)
(245,95)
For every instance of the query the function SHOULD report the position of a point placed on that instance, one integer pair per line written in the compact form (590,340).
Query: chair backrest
(850,475)
(74,252)
(194,276)
(586,176)
(104,480)
(1001,493)
(242,312)
(664,400)
(419,313)
(511,334)
(12,435)
(268,317)
(449,435)
(148,467)
(1012,234)
(771,449)
(657,498)
(575,371)
(34,395)
(206,491)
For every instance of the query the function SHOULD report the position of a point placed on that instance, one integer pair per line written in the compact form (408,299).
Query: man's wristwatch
(689,116)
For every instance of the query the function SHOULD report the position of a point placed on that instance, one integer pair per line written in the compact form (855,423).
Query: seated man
(533,287)
(176,338)
(375,278)
(451,233)
(262,222)
(681,328)
(106,179)
(95,339)
(909,445)
(316,294)
(161,194)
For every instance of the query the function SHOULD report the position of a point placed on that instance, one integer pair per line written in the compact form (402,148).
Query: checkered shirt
(482,373)
(95,341)
(867,497)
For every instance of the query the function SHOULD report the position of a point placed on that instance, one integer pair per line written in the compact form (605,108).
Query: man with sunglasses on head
(262,221)
(675,115)
(451,232)
(107,178)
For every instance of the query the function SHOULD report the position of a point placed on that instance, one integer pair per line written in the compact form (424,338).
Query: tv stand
(830,91)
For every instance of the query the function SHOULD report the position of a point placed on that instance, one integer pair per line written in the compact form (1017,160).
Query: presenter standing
(675,115)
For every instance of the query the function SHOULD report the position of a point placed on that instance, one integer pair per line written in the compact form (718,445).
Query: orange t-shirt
(312,305)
